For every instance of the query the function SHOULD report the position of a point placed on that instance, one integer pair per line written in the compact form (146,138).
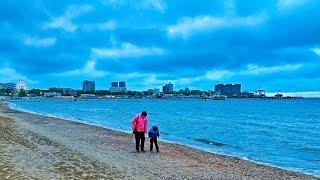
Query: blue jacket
(154,132)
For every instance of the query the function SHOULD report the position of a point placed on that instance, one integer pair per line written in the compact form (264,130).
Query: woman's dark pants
(139,136)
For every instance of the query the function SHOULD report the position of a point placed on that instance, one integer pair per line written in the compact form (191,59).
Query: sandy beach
(39,147)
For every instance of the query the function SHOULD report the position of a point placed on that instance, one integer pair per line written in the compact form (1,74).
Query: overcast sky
(270,44)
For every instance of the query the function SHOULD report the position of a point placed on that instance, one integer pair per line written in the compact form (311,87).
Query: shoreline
(161,140)
(175,161)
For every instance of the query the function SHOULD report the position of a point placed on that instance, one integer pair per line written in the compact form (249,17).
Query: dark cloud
(284,36)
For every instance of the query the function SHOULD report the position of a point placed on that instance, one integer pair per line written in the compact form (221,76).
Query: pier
(270,98)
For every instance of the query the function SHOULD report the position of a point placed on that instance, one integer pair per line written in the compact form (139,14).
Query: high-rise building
(88,86)
(122,84)
(219,88)
(167,88)
(118,86)
(1,86)
(237,89)
(114,84)
(228,89)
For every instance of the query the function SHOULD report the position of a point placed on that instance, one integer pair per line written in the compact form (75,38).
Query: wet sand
(39,147)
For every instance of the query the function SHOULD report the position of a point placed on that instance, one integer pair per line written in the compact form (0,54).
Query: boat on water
(219,98)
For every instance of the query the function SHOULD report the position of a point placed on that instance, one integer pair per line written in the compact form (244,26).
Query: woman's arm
(134,123)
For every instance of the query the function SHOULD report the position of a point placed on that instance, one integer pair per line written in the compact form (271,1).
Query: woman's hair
(155,128)
(144,114)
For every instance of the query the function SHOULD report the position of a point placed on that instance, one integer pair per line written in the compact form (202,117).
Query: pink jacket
(139,123)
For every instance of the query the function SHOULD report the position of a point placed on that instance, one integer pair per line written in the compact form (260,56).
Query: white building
(88,96)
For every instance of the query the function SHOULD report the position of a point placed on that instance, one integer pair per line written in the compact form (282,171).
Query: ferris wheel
(22,85)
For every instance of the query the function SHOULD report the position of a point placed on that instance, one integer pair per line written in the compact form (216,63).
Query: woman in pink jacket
(139,126)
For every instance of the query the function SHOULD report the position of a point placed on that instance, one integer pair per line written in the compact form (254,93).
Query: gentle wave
(214,143)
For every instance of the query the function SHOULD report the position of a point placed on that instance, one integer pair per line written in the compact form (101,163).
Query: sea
(280,133)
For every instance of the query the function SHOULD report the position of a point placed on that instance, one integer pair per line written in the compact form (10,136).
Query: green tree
(79,93)
(57,90)
(187,91)
(195,92)
(22,93)
(36,92)
(182,91)
(101,92)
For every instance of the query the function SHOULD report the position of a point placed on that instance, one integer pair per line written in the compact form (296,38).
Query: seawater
(282,133)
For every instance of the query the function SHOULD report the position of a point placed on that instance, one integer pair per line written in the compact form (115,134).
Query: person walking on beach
(154,134)
(139,126)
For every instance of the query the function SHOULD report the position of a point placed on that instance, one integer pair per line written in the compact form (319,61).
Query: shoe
(143,151)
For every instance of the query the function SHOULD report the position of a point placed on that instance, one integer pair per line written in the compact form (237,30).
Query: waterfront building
(68,92)
(167,88)
(260,93)
(117,87)
(88,86)
(228,89)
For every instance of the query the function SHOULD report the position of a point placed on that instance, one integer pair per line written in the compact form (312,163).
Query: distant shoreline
(171,98)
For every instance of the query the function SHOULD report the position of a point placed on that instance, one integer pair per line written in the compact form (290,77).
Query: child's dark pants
(139,136)
(155,141)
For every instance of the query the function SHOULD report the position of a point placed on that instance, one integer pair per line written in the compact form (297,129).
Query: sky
(269,44)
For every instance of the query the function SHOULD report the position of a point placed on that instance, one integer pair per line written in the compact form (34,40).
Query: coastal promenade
(39,147)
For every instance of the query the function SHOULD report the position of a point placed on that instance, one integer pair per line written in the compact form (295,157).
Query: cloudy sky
(270,44)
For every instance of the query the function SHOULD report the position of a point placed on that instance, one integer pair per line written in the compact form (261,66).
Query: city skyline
(310,94)
(203,44)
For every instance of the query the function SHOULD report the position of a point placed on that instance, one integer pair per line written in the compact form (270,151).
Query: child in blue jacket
(153,135)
